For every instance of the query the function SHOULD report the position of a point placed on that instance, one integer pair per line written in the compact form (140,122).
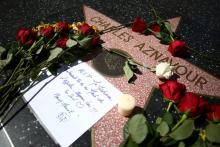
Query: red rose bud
(85,29)
(178,48)
(62,27)
(26,36)
(155,28)
(192,104)
(139,25)
(213,113)
(61,42)
(95,40)
(47,32)
(172,90)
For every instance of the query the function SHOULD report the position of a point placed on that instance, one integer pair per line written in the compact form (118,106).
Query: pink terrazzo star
(108,130)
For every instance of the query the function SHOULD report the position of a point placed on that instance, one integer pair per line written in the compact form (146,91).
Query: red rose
(213,113)
(85,29)
(192,104)
(155,28)
(139,25)
(95,40)
(26,36)
(62,27)
(61,42)
(172,90)
(47,32)
(177,48)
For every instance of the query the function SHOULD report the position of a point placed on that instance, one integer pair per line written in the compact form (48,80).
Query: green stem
(15,70)
(4,117)
(19,50)
(169,106)
(35,44)
(154,11)
(17,80)
(184,117)
(17,99)
(150,30)
(171,37)
(48,43)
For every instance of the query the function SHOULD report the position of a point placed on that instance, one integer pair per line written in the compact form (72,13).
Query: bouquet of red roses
(197,123)
(46,46)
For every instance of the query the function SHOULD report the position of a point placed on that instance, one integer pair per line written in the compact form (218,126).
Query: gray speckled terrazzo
(200,28)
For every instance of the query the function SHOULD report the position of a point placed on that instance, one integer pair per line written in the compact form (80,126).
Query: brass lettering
(201,82)
(95,19)
(181,70)
(101,22)
(140,46)
(172,64)
(105,25)
(114,32)
(125,36)
(156,55)
(192,79)
(145,51)
(114,29)
(166,59)
(129,38)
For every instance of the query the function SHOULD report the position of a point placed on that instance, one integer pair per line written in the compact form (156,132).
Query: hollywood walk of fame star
(108,130)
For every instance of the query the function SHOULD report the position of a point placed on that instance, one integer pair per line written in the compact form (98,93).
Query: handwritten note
(70,104)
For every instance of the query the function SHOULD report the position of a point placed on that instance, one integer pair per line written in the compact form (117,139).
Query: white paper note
(74,101)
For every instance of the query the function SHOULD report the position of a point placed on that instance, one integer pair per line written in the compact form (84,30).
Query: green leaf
(35,72)
(128,143)
(168,26)
(137,128)
(76,37)
(181,144)
(169,142)
(163,128)
(165,38)
(54,53)
(40,49)
(184,131)
(167,117)
(158,35)
(132,64)
(85,42)
(198,143)
(71,43)
(213,132)
(153,142)
(158,120)
(128,72)
(131,61)
(125,131)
